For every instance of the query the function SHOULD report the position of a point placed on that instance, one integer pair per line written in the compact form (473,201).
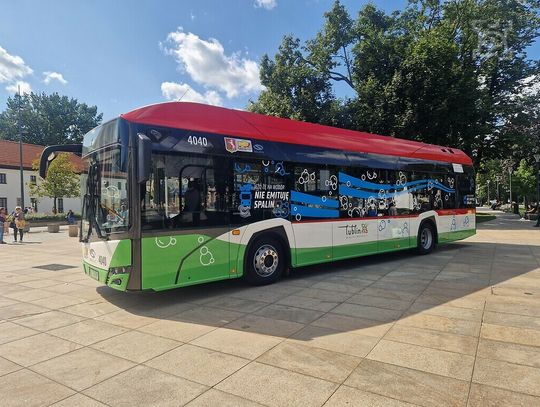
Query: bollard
(73,231)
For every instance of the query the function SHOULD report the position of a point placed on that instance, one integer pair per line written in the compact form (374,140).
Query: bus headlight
(119,270)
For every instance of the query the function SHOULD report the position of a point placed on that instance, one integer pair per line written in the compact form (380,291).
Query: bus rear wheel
(426,238)
(265,261)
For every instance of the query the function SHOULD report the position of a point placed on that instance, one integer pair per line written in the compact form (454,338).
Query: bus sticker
(232,145)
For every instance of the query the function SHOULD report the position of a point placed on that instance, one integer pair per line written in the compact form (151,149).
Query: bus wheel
(265,261)
(426,238)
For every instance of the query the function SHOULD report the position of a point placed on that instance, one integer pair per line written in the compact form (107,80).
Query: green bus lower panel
(314,255)
(182,260)
(311,255)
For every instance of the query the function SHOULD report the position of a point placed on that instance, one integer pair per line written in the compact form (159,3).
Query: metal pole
(21,169)
(537,191)
(488,193)
(510,177)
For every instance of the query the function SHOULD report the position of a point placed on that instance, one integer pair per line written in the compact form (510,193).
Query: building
(10,181)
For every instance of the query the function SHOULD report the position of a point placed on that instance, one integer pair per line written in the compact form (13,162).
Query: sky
(123,54)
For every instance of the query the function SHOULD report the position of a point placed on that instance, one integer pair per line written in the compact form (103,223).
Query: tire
(265,261)
(426,238)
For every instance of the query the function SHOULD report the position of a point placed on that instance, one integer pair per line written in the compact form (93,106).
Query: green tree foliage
(62,180)
(523,180)
(47,119)
(295,89)
(443,72)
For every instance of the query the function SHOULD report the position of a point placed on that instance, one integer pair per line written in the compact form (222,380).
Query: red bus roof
(237,123)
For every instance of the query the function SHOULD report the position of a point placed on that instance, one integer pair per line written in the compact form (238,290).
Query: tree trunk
(54,205)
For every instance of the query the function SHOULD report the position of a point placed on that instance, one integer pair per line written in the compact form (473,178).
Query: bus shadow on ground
(349,295)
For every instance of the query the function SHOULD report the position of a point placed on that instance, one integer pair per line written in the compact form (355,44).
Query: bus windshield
(104,183)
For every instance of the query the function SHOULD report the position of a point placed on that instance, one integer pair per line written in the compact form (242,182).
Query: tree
(295,89)
(62,180)
(47,119)
(442,72)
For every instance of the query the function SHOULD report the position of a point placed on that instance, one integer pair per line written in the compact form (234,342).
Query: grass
(484,217)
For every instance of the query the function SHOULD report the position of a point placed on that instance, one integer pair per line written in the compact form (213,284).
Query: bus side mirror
(144,158)
(50,153)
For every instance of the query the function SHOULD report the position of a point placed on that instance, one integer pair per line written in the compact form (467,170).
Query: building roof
(219,120)
(10,155)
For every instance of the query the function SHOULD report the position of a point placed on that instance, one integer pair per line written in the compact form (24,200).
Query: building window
(19,202)
(60,205)
(3,178)
(3,203)
(33,179)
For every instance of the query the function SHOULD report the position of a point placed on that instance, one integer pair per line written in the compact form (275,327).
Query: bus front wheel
(265,261)
(426,238)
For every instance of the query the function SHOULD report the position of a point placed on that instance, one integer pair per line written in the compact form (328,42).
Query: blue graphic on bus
(312,206)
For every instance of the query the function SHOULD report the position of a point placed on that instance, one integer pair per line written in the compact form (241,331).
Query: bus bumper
(116,277)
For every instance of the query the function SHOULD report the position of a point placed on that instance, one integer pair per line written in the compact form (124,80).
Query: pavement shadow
(348,295)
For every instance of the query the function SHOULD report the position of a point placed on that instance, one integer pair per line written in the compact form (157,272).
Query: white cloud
(184,92)
(49,76)
(12,67)
(267,4)
(207,64)
(23,86)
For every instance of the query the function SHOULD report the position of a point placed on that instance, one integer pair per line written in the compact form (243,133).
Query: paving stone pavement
(460,327)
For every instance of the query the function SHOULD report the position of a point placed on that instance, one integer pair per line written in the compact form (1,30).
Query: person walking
(18,223)
(3,224)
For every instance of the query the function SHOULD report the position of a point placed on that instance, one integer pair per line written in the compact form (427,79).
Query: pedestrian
(70,217)
(17,223)
(3,224)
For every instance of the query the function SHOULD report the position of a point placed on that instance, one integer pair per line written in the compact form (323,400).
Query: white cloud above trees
(49,76)
(12,70)
(185,93)
(22,86)
(207,64)
(12,67)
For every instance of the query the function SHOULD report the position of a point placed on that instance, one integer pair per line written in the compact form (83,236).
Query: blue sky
(121,54)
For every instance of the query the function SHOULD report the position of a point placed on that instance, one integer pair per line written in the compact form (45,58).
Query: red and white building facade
(10,181)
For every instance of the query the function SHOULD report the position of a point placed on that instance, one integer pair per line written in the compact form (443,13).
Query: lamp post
(510,180)
(537,159)
(488,191)
(21,169)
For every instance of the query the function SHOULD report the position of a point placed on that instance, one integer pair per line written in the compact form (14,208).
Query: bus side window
(401,199)
(420,198)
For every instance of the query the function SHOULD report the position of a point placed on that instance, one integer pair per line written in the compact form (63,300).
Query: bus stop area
(458,327)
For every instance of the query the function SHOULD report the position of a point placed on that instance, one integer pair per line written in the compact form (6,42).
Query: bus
(177,194)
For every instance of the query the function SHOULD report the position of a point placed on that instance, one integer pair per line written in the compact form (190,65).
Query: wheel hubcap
(426,238)
(266,260)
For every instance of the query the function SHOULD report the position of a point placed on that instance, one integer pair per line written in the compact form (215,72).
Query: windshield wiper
(91,202)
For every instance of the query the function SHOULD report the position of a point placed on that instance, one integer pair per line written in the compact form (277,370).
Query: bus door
(185,222)
(205,217)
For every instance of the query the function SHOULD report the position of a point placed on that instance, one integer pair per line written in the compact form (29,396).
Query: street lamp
(537,159)
(21,168)
(488,190)
(510,170)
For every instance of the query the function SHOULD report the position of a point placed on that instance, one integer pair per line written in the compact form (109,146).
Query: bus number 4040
(197,141)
